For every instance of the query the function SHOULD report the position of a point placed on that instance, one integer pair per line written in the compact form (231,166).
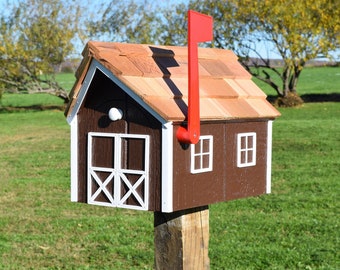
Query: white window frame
(249,161)
(201,154)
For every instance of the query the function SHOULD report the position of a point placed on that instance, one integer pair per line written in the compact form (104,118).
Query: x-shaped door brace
(102,185)
(132,189)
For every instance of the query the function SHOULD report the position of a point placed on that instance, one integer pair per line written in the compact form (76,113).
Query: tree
(140,22)
(35,37)
(295,30)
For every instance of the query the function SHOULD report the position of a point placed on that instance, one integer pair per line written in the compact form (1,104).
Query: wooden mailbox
(126,106)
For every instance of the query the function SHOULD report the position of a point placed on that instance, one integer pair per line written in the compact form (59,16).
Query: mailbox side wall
(226,181)
(102,95)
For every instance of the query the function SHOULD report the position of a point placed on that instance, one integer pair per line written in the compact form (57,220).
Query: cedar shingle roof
(159,75)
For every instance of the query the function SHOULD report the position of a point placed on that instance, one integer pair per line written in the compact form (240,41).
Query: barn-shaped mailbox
(126,106)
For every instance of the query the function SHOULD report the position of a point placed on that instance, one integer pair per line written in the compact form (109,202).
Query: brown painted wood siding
(102,95)
(226,181)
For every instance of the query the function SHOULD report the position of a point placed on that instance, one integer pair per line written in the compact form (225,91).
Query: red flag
(200,29)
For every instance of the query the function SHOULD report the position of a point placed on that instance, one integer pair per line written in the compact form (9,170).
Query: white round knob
(115,114)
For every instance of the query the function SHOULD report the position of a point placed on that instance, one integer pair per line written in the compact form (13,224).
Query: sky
(263,48)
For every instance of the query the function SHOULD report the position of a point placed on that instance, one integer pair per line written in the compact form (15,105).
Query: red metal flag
(200,29)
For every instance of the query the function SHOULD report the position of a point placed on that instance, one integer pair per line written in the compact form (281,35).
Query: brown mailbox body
(133,159)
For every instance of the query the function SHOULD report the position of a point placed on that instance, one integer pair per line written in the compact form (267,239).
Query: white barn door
(118,170)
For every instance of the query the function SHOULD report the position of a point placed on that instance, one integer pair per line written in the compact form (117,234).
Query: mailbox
(126,106)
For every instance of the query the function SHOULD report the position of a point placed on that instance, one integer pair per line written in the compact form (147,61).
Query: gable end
(95,66)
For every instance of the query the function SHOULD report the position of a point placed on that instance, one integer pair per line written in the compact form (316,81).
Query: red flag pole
(199,30)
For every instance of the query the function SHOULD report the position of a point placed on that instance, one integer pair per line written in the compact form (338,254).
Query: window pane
(205,143)
(243,142)
(243,157)
(205,159)
(250,141)
(133,153)
(197,162)
(250,156)
(197,147)
(103,149)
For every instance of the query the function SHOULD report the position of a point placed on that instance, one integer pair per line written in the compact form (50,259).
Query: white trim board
(167,168)
(269,156)
(74,159)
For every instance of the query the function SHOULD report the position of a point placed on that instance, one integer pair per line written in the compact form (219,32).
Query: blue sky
(165,3)
(264,49)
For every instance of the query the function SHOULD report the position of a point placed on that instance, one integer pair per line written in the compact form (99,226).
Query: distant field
(314,80)
(296,227)
(66,80)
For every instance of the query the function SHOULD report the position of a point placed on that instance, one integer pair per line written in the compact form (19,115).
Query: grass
(66,80)
(296,227)
(27,100)
(313,80)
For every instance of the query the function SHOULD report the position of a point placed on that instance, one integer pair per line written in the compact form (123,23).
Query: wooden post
(182,239)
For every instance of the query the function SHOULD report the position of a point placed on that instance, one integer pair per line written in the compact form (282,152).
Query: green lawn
(296,227)
(313,80)
(66,80)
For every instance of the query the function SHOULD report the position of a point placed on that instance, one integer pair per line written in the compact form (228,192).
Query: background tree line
(37,36)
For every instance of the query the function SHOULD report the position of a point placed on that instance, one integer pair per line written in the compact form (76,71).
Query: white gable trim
(95,65)
(167,168)
(82,92)
(269,156)
(74,159)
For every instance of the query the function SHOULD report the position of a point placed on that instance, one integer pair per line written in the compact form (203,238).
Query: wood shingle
(158,75)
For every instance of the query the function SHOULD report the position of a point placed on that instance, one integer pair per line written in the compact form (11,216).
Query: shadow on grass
(9,109)
(310,98)
(333,97)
